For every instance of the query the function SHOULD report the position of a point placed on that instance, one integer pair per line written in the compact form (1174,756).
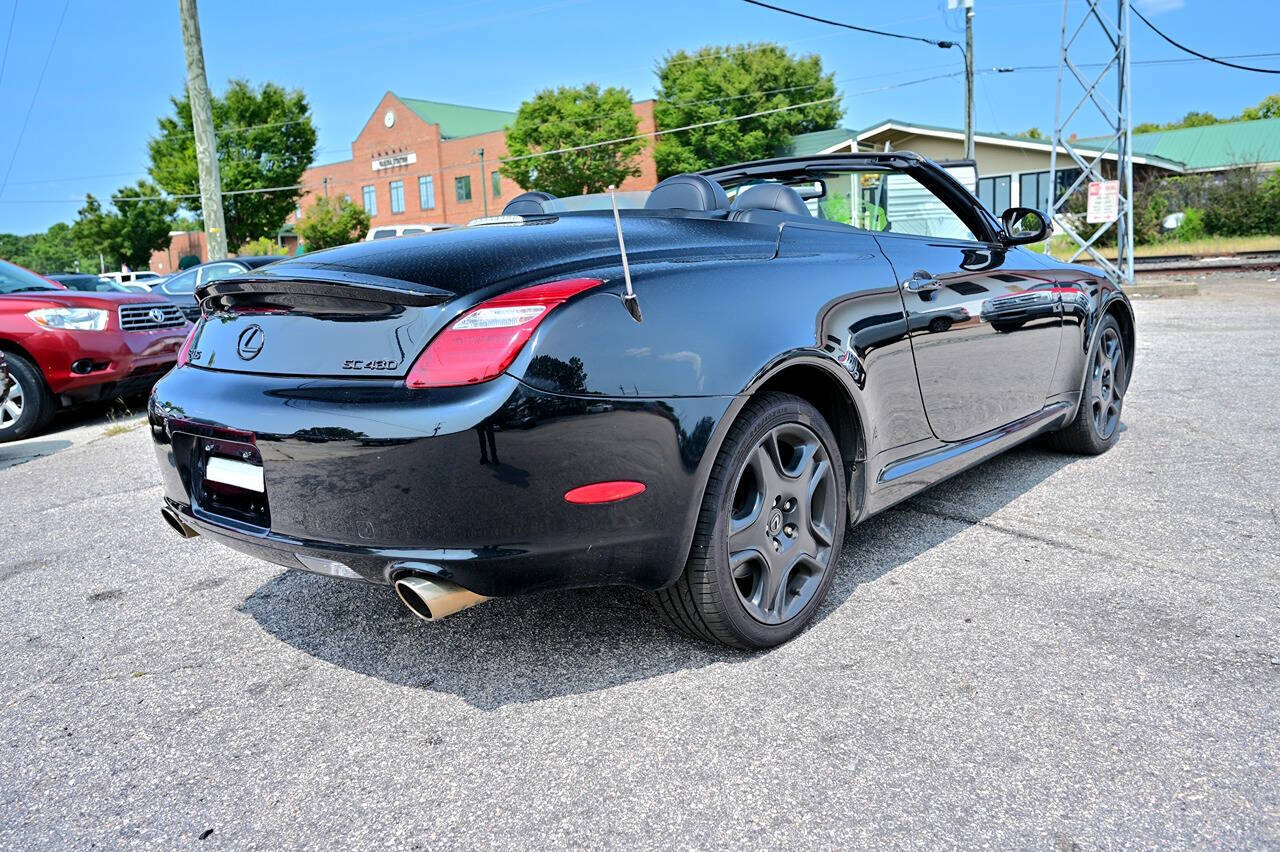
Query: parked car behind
(180,289)
(384,231)
(65,347)
(135,280)
(89,283)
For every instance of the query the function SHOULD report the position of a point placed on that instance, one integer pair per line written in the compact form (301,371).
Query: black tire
(784,547)
(1096,426)
(29,405)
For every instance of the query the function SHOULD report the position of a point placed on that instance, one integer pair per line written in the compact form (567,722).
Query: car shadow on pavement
(12,455)
(515,650)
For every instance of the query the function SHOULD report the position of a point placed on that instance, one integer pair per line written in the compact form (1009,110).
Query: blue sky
(114,66)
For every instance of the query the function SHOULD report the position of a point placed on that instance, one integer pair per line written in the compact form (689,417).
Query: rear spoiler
(324,283)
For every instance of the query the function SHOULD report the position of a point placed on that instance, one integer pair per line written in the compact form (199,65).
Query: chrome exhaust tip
(432,600)
(171,518)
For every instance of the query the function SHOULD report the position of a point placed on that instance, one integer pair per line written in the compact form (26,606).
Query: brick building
(420,161)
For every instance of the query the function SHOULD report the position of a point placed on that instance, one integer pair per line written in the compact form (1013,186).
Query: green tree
(571,117)
(717,83)
(139,225)
(1033,133)
(261,247)
(265,140)
(327,224)
(16,248)
(1268,107)
(1191,119)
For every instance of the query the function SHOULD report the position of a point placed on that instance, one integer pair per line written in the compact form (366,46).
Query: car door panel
(984,331)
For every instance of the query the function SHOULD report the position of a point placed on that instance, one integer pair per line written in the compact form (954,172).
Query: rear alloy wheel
(770,530)
(1096,426)
(28,406)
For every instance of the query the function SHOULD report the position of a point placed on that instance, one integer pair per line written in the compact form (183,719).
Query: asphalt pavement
(1046,651)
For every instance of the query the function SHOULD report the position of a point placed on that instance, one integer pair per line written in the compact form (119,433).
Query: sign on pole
(1104,201)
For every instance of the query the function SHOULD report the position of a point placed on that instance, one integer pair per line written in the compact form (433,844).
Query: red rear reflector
(604,492)
(481,343)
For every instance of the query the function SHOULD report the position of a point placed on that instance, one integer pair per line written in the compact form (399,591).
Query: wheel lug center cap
(775,522)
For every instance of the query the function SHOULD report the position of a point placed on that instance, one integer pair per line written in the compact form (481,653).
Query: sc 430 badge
(357,364)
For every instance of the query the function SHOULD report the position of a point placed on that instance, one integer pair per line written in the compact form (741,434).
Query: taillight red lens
(480,344)
(185,351)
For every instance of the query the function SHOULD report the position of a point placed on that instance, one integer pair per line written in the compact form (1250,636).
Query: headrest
(527,204)
(771,196)
(687,192)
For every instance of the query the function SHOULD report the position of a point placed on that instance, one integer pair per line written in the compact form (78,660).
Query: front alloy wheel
(1096,425)
(11,410)
(1107,382)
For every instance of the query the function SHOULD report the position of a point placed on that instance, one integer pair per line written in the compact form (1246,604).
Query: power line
(1186,49)
(35,94)
(8,38)
(868,30)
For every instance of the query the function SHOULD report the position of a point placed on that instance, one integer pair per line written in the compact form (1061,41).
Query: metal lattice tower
(1087,31)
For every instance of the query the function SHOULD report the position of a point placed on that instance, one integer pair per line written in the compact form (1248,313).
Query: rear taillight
(184,351)
(480,344)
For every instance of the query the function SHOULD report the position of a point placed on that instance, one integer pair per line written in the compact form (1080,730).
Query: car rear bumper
(466,484)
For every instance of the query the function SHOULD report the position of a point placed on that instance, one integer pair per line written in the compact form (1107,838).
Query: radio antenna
(629,300)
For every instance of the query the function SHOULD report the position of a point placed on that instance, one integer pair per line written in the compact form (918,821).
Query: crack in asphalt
(96,497)
(1184,571)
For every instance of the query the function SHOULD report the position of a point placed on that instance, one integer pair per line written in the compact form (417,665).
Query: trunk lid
(368,309)
(321,326)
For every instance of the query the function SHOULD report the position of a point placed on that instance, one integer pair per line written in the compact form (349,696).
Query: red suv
(65,347)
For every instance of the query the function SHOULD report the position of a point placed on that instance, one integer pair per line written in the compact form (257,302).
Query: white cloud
(1159,7)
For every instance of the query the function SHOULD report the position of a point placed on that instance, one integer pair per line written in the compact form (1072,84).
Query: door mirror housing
(1021,225)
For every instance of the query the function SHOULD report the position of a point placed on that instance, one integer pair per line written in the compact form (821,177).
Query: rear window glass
(184,283)
(411,231)
(384,232)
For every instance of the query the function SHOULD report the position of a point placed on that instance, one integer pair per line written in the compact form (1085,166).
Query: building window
(462,186)
(370,200)
(497,185)
(397,196)
(993,192)
(1033,188)
(346,196)
(427,192)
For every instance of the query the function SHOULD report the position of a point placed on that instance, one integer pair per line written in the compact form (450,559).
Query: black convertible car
(696,395)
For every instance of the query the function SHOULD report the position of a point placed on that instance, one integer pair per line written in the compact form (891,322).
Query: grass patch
(1061,247)
(116,422)
(1210,246)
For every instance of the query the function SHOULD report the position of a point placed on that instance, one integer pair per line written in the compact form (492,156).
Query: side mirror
(1023,225)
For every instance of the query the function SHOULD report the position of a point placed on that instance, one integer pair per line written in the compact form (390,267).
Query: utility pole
(484,189)
(968,79)
(202,119)
(967,5)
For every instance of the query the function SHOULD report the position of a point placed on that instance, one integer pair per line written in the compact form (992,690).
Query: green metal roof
(804,144)
(456,120)
(1215,146)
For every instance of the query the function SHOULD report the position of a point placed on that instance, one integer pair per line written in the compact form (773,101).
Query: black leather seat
(527,203)
(687,192)
(769,202)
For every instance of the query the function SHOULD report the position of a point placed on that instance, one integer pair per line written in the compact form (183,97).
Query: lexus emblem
(249,343)
(156,314)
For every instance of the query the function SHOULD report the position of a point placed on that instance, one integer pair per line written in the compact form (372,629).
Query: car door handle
(921,282)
